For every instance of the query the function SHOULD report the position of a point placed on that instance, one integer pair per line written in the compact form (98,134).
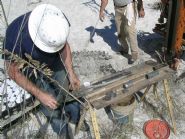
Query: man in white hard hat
(42,34)
(125,18)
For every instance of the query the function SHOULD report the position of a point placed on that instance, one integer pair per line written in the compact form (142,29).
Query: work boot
(123,48)
(124,51)
(133,58)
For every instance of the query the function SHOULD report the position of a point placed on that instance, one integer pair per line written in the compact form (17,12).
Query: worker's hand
(101,15)
(74,81)
(141,13)
(48,100)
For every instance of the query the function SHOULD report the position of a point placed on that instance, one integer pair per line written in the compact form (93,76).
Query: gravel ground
(96,54)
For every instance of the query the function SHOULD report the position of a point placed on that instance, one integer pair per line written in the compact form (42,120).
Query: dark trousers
(67,111)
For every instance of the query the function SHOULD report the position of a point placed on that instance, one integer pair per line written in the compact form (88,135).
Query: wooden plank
(132,70)
(136,71)
(146,91)
(100,103)
(99,93)
(82,118)
(155,92)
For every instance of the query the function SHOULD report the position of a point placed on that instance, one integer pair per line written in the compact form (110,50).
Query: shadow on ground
(108,33)
(150,43)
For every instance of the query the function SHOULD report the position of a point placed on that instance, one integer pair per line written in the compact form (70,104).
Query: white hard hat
(48,28)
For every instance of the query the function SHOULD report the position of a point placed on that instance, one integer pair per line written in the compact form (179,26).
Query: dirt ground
(96,53)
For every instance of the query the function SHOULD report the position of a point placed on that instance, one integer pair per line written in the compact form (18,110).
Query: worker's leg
(58,117)
(132,35)
(55,117)
(70,111)
(70,108)
(132,39)
(73,111)
(129,33)
(120,30)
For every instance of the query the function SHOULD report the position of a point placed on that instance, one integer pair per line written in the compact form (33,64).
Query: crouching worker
(42,34)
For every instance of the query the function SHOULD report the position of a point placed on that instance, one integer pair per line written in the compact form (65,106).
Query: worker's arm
(16,75)
(102,8)
(140,7)
(67,59)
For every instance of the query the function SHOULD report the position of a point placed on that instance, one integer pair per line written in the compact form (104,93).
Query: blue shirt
(19,42)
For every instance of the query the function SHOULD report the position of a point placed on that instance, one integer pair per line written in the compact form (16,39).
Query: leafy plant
(31,63)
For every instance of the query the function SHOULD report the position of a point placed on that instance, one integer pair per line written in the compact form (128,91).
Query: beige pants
(127,35)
